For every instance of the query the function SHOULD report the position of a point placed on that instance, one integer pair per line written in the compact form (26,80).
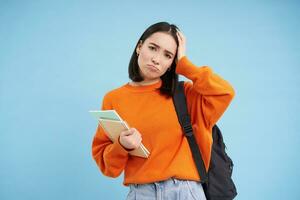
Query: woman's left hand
(182,45)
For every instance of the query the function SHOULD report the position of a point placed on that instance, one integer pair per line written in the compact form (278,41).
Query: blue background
(58,58)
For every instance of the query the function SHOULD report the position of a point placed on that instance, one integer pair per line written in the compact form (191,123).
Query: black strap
(185,122)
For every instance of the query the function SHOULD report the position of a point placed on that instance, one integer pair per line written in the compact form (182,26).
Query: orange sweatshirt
(154,116)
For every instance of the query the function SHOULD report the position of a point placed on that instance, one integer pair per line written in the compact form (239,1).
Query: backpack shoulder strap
(179,101)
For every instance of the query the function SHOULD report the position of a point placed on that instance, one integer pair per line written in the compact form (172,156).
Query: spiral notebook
(113,125)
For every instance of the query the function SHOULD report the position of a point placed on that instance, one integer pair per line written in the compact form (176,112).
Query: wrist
(180,56)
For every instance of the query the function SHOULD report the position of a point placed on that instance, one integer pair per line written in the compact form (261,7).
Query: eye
(168,56)
(152,48)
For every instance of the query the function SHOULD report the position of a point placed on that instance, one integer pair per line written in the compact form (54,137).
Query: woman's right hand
(130,139)
(181,49)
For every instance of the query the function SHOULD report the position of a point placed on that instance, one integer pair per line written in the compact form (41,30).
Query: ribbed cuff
(118,149)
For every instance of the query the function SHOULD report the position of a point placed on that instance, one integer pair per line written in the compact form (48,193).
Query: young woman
(146,104)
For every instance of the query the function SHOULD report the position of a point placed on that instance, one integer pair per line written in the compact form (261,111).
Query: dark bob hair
(169,78)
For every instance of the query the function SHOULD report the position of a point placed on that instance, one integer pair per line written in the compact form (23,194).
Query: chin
(150,77)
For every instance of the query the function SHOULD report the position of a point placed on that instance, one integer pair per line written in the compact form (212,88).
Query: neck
(145,82)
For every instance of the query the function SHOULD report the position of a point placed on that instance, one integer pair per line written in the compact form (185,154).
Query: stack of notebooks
(113,125)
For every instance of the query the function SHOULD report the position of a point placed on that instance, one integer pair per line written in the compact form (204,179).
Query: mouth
(152,67)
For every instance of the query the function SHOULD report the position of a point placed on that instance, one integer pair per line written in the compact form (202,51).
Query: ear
(139,47)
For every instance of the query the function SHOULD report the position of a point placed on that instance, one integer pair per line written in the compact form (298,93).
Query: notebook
(113,125)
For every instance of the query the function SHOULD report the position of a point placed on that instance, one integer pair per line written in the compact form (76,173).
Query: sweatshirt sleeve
(111,158)
(207,90)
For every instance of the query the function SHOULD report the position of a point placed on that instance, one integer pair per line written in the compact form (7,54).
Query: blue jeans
(171,189)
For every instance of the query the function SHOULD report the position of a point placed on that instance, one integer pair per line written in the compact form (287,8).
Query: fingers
(180,36)
(181,46)
(136,134)
(130,139)
(129,132)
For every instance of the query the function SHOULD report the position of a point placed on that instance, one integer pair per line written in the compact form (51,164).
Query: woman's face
(156,55)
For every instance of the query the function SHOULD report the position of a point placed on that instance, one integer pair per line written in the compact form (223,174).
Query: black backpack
(217,182)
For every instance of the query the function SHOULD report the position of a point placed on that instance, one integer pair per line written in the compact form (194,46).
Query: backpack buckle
(187,126)
(188,130)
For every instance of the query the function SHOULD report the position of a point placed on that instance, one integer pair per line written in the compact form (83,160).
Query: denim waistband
(167,189)
(157,183)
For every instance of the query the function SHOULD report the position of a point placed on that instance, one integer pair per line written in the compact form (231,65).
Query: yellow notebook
(113,125)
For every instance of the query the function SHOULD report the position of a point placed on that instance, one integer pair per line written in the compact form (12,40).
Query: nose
(155,59)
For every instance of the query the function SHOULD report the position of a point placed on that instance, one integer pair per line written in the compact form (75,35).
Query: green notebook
(106,114)
(113,125)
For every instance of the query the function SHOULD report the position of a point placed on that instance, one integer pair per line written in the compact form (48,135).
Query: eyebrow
(159,47)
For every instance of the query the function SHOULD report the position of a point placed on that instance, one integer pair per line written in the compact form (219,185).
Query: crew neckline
(142,88)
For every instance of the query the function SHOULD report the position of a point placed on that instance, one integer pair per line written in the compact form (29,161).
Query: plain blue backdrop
(58,59)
